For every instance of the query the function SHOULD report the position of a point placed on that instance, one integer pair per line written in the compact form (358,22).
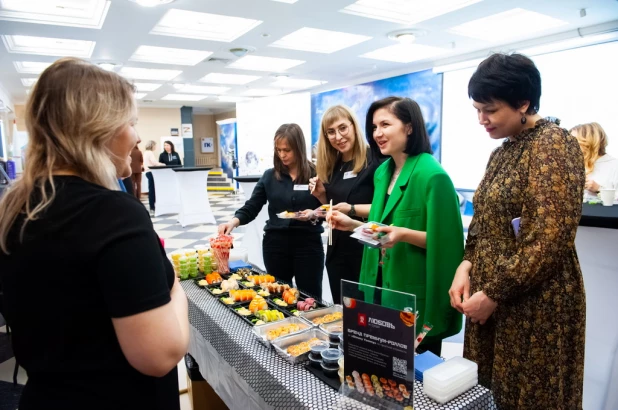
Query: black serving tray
(333,382)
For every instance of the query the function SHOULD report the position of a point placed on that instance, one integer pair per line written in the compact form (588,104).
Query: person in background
(137,166)
(126,185)
(345,169)
(108,325)
(601,168)
(415,196)
(150,161)
(169,156)
(522,290)
(291,248)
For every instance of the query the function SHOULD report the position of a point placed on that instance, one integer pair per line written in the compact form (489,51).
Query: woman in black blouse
(345,169)
(292,248)
(169,156)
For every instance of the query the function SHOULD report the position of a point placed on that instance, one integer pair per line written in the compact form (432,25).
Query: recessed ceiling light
(295,83)
(319,41)
(200,89)
(108,66)
(184,97)
(405,11)
(85,13)
(506,25)
(152,3)
(146,86)
(28,82)
(257,63)
(229,98)
(404,53)
(235,79)
(287,1)
(139,96)
(149,73)
(48,46)
(203,26)
(262,92)
(30,67)
(166,55)
(406,36)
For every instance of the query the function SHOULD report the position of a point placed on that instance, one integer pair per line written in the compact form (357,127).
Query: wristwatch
(352,212)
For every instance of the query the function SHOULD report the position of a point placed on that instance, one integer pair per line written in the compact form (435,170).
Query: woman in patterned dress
(523,292)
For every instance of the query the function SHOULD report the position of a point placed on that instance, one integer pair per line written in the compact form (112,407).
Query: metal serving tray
(281,344)
(261,331)
(308,316)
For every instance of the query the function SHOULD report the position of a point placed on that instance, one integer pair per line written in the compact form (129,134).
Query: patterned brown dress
(531,351)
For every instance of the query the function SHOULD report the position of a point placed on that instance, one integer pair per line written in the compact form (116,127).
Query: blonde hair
(150,145)
(74,111)
(327,154)
(593,141)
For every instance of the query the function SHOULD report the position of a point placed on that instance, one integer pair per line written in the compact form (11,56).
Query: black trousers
(151,190)
(295,254)
(344,264)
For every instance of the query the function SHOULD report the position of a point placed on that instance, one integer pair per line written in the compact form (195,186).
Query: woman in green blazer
(416,198)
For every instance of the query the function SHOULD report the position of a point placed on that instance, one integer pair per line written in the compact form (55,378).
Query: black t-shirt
(282,195)
(345,186)
(92,255)
(170,159)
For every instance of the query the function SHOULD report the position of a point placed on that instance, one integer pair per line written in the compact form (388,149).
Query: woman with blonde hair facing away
(601,168)
(106,325)
(345,169)
(150,161)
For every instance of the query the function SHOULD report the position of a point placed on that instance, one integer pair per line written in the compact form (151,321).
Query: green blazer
(422,199)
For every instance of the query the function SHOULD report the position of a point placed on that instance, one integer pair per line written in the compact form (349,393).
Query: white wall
(258,121)
(579,86)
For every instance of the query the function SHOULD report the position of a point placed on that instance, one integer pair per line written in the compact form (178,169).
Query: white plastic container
(448,380)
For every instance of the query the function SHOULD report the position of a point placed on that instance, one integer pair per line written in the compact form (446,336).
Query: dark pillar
(186,117)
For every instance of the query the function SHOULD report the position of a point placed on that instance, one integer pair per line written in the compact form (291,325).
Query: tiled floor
(176,237)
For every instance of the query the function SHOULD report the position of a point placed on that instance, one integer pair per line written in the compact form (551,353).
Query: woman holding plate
(416,198)
(292,247)
(345,169)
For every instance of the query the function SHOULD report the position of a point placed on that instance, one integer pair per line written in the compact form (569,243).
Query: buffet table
(254,231)
(248,375)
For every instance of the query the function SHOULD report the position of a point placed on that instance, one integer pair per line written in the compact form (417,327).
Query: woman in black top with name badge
(169,156)
(292,248)
(345,170)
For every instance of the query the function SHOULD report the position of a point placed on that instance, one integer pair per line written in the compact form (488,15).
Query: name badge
(301,187)
(349,174)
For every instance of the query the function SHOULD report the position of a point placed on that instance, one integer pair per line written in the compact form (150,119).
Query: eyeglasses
(343,130)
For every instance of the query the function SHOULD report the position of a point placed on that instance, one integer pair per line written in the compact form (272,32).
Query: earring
(523,118)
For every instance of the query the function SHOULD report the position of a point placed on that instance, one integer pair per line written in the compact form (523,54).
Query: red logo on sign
(362,319)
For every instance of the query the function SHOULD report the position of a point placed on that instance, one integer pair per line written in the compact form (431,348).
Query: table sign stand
(378,344)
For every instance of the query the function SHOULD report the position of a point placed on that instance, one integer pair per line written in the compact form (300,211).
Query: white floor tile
(178,243)
(157,227)
(168,235)
(205,229)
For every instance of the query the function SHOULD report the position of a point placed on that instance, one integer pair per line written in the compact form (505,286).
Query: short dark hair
(512,78)
(171,145)
(407,111)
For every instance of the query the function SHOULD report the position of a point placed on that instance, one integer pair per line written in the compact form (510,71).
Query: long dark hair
(294,136)
(171,145)
(407,111)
